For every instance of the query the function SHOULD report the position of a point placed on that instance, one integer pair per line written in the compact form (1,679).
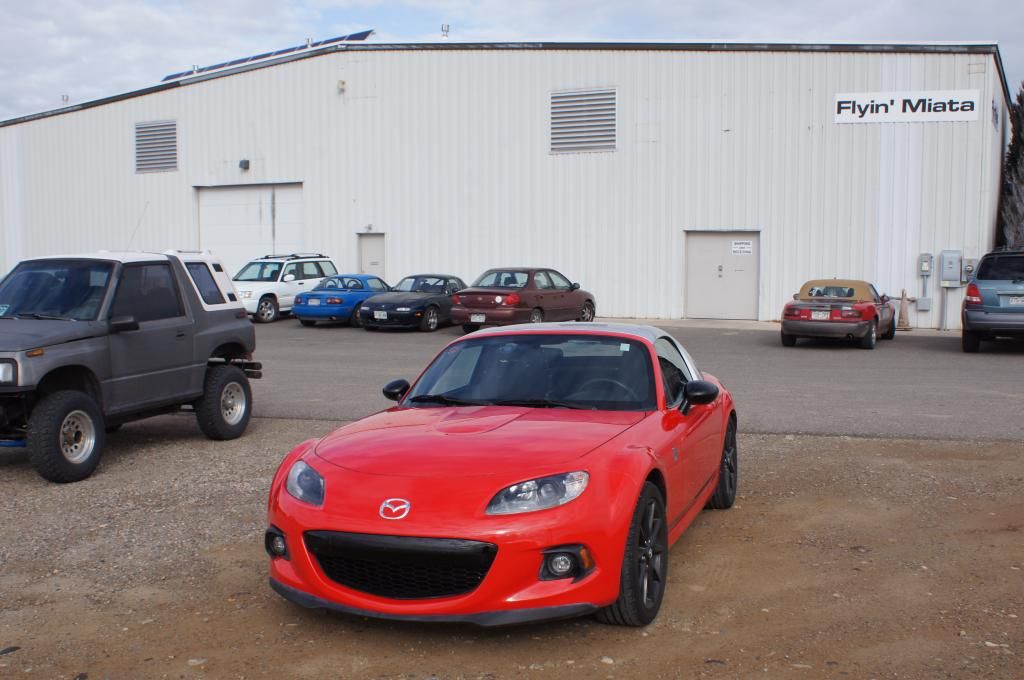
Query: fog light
(277,546)
(561,564)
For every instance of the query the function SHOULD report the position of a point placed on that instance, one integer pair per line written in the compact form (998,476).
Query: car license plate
(380,315)
(313,302)
(1017,301)
(477,318)
(820,316)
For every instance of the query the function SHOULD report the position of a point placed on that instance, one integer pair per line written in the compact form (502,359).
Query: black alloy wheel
(728,473)
(355,320)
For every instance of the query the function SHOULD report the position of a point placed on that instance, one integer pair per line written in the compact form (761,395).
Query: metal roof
(225,70)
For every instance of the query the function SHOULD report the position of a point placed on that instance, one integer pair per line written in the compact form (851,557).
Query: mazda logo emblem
(395,508)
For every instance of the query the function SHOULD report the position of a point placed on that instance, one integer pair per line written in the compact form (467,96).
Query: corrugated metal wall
(447,153)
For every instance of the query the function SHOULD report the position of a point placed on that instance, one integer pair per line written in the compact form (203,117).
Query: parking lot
(877,532)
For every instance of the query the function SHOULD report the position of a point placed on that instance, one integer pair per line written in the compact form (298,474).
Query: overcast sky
(90,49)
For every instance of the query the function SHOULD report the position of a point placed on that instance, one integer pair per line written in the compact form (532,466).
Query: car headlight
(245,294)
(305,484)
(538,494)
(8,372)
(403,309)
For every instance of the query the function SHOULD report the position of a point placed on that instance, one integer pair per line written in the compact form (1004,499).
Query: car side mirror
(796,296)
(698,392)
(575,286)
(288,278)
(885,298)
(120,324)
(396,389)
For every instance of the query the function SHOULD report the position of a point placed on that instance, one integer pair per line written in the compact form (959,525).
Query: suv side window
(376,284)
(203,279)
(292,269)
(328,267)
(673,371)
(311,270)
(560,281)
(147,292)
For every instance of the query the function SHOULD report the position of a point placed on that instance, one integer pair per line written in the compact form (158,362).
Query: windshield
(545,371)
(420,284)
(259,271)
(1001,268)
(59,289)
(503,279)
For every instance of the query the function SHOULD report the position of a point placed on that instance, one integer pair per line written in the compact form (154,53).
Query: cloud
(88,50)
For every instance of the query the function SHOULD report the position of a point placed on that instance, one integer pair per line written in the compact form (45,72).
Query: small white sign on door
(742,247)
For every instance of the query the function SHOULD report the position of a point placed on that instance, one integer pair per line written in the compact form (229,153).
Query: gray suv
(994,303)
(89,342)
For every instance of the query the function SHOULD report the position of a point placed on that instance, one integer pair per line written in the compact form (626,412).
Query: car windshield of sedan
(420,284)
(259,271)
(542,371)
(503,279)
(55,289)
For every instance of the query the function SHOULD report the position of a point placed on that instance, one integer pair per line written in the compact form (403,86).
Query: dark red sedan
(521,295)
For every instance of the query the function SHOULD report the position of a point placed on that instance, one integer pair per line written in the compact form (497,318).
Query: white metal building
(672,180)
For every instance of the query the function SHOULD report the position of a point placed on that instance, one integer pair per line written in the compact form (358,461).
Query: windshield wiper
(445,399)
(44,317)
(540,403)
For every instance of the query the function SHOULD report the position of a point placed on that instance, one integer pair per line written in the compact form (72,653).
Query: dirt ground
(844,557)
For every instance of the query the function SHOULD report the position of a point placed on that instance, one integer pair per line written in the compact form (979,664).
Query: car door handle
(181,334)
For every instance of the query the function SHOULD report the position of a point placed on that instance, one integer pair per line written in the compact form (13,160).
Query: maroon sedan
(519,295)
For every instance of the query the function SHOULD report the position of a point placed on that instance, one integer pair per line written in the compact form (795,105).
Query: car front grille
(401,567)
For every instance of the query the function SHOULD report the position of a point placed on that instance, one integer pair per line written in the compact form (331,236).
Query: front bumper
(410,319)
(996,323)
(493,316)
(251,304)
(826,329)
(494,618)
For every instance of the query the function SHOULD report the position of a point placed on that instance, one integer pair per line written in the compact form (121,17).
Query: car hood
(470,441)
(399,297)
(18,335)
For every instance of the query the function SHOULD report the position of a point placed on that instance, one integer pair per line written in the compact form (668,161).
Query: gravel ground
(844,557)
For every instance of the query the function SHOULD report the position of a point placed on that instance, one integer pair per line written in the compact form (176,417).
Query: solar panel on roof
(352,37)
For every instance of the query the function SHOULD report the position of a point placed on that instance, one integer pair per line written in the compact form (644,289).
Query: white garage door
(722,275)
(240,223)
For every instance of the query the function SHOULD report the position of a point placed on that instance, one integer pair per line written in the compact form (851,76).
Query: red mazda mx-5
(531,472)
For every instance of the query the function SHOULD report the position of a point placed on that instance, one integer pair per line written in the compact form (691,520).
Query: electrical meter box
(969,269)
(924,264)
(950,268)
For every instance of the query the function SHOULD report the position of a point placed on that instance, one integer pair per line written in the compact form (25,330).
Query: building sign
(907,107)
(742,247)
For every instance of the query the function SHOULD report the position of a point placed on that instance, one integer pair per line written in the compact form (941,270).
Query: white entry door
(371,254)
(722,274)
(240,223)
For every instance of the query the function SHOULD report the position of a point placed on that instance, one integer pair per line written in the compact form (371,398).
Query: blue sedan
(337,299)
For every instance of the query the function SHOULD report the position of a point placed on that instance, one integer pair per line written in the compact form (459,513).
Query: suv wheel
(970,341)
(267,310)
(224,409)
(66,436)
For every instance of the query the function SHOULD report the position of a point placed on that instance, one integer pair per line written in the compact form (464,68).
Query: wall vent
(156,146)
(583,120)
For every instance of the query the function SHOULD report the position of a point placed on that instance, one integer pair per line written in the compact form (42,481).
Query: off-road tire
(214,410)
(728,472)
(870,338)
(470,327)
(788,340)
(970,341)
(431,319)
(631,609)
(45,437)
(267,310)
(307,322)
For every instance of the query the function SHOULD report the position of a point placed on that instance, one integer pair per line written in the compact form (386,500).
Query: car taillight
(852,314)
(456,300)
(512,299)
(791,311)
(298,300)
(333,301)
(973,297)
